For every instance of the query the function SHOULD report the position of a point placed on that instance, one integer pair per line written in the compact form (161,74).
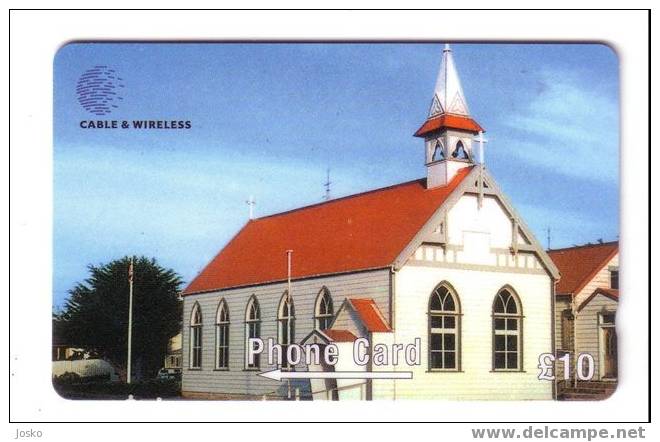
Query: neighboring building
(173,357)
(585,310)
(445,259)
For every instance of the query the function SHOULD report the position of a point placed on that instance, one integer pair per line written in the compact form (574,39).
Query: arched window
(459,152)
(444,329)
(196,337)
(222,336)
(286,320)
(252,329)
(507,331)
(323,312)
(438,152)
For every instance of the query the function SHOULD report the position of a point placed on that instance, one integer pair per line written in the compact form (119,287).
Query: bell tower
(449,129)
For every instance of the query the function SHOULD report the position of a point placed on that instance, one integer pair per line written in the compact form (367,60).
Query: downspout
(575,342)
(370,367)
(393,319)
(553,291)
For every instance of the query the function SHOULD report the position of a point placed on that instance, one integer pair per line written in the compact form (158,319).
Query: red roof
(578,265)
(358,232)
(339,335)
(369,314)
(610,293)
(448,121)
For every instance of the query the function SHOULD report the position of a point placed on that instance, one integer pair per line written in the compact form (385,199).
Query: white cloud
(569,127)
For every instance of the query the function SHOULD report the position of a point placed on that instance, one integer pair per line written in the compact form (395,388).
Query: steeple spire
(449,129)
(448,96)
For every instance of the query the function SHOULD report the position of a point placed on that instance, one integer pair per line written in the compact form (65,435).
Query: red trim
(448,121)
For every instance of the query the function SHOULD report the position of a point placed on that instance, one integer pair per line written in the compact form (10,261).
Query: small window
(222,336)
(444,326)
(324,310)
(507,332)
(286,326)
(252,328)
(196,337)
(607,318)
(614,279)
(459,152)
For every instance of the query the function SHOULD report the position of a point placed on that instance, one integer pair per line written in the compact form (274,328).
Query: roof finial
(251,203)
(448,96)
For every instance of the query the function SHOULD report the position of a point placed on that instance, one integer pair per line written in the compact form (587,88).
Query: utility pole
(288,301)
(130,320)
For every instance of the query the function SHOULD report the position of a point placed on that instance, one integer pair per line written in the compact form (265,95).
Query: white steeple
(449,129)
(448,96)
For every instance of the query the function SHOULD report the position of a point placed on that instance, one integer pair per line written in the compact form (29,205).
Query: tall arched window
(286,320)
(323,311)
(196,337)
(444,329)
(222,336)
(252,329)
(460,152)
(507,331)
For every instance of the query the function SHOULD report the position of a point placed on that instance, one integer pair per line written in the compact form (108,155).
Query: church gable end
(477,226)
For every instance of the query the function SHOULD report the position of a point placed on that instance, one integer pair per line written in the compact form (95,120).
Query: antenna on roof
(548,230)
(327,185)
(251,203)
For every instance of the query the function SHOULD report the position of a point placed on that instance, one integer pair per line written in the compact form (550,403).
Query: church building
(444,264)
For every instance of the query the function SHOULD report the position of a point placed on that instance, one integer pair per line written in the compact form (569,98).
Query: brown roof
(369,314)
(578,265)
(610,293)
(358,232)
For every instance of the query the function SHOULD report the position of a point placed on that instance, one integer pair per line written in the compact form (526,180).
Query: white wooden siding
(372,284)
(587,333)
(476,291)
(477,262)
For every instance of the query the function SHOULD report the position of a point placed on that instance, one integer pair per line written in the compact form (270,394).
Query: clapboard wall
(587,329)
(237,380)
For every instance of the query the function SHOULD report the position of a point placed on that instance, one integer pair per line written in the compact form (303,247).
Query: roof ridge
(583,246)
(354,195)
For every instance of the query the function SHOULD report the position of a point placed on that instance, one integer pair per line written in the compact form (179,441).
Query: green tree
(95,316)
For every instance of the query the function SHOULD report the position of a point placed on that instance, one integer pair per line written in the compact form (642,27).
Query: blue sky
(268,119)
